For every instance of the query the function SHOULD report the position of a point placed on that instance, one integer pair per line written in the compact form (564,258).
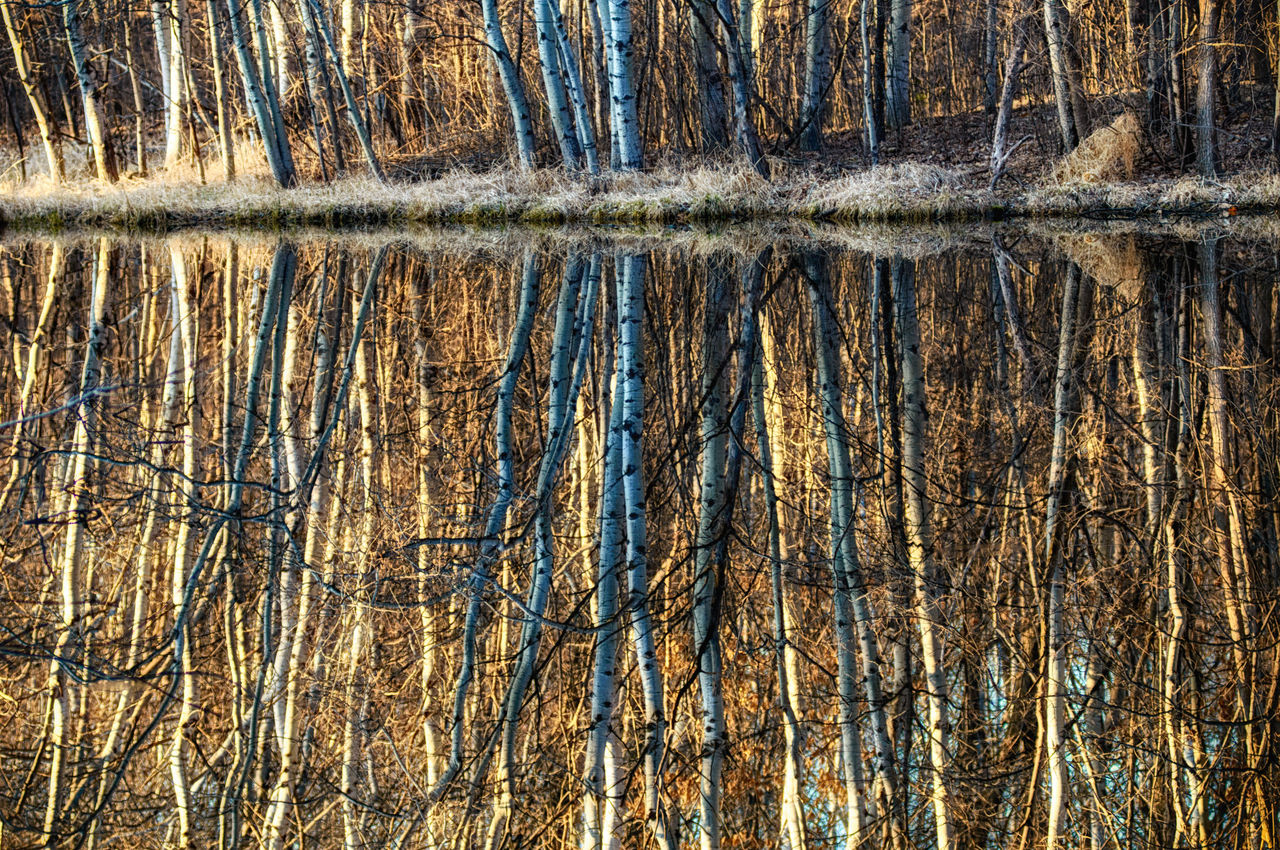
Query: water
(274,511)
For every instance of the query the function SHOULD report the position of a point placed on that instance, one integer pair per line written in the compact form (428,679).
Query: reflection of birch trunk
(763,385)
(631,274)
(598,822)
(185,324)
(354,736)
(1065,418)
(855,617)
(496,521)
(570,344)
(26,374)
(707,588)
(919,544)
(71,596)
(430,623)
(1227,512)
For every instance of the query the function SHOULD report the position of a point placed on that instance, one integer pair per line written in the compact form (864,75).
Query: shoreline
(704,195)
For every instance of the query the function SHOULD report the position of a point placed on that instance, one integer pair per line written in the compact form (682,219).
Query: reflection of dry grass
(1112,260)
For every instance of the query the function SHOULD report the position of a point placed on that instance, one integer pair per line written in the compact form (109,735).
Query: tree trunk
(279,157)
(99,144)
(49,136)
(712,109)
(816,72)
(1206,89)
(623,117)
(898,88)
(511,84)
(631,367)
(1056,34)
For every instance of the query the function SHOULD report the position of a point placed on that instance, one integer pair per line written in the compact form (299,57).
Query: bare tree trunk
(1065,418)
(1206,89)
(185,324)
(898,88)
(553,86)
(870,115)
(712,509)
(855,618)
(226,144)
(817,74)
(744,125)
(1000,150)
(713,111)
(99,144)
(511,84)
(570,345)
(623,118)
(279,157)
(791,811)
(1057,35)
(49,136)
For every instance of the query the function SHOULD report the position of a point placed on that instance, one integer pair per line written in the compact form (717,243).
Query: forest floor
(937,171)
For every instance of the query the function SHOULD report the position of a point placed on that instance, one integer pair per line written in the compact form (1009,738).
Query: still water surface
(767,537)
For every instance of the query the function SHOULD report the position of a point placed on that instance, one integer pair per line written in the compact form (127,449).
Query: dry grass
(1107,155)
(696,192)
(684,193)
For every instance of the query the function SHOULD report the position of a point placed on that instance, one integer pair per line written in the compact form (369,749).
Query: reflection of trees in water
(593,543)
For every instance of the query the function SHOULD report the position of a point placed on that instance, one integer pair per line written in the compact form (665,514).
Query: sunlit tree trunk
(1060,481)
(99,144)
(49,136)
(226,143)
(1206,89)
(184,324)
(354,115)
(259,98)
(360,634)
(791,811)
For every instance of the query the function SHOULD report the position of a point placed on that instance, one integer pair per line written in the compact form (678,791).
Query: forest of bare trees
(318,88)
(738,542)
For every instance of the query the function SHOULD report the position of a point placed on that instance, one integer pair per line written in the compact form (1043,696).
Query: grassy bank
(700,194)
